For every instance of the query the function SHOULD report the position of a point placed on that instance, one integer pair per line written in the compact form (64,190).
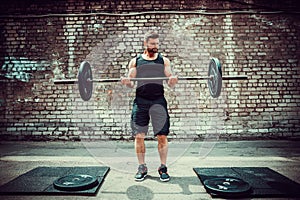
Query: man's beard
(152,51)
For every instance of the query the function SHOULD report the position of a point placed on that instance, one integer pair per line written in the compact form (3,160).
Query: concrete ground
(17,158)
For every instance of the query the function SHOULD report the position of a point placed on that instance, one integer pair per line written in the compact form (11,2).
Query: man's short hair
(151,34)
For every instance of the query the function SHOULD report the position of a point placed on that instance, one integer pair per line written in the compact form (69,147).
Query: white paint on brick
(229,33)
(71,32)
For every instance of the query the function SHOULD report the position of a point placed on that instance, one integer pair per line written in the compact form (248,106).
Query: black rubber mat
(39,181)
(264,181)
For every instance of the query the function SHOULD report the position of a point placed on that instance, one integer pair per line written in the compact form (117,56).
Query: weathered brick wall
(42,41)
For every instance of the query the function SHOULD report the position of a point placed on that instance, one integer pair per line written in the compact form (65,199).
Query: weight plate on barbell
(214,83)
(84,81)
(227,186)
(75,182)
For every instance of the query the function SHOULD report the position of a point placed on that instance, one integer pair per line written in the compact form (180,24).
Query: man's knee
(140,136)
(162,140)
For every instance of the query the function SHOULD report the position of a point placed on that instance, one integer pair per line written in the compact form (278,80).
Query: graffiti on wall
(21,68)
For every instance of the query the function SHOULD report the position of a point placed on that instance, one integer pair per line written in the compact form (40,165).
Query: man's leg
(140,149)
(163,152)
(161,125)
(139,124)
(162,148)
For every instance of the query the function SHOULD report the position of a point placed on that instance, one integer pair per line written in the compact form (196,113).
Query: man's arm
(168,72)
(131,74)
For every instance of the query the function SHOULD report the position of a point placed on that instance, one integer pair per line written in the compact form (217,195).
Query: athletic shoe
(141,173)
(163,173)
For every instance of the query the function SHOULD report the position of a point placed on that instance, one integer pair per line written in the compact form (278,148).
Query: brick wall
(43,41)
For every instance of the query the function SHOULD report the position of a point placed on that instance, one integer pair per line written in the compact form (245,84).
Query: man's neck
(150,56)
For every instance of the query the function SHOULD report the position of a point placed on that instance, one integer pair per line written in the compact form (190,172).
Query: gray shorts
(143,110)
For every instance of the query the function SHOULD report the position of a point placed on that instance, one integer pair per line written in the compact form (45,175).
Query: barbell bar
(214,79)
(190,78)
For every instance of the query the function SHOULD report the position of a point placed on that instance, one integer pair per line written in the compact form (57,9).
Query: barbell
(214,79)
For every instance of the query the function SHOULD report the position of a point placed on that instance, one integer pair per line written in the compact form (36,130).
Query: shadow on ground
(142,192)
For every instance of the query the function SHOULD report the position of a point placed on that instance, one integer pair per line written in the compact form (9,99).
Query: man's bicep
(132,68)
(168,69)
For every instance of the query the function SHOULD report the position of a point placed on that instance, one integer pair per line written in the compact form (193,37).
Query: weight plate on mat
(75,182)
(215,82)
(227,186)
(84,81)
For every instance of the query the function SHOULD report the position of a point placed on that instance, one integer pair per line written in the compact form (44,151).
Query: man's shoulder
(162,55)
(138,56)
(165,59)
(133,61)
